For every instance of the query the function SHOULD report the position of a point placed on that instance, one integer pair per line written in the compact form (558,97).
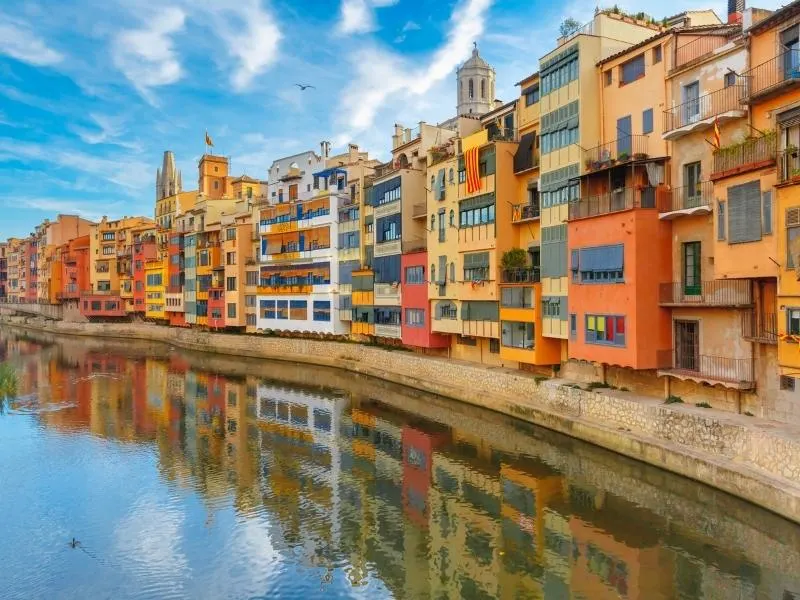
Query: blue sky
(93,91)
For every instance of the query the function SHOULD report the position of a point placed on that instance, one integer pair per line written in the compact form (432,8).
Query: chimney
(325,149)
(735,10)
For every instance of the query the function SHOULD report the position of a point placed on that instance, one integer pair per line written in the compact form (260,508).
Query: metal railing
(687,196)
(100,293)
(706,106)
(788,165)
(718,368)
(760,327)
(525,212)
(502,134)
(610,202)
(520,275)
(699,48)
(778,71)
(719,292)
(750,152)
(620,151)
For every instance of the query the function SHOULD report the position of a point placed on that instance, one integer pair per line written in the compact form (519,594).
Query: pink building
(416,322)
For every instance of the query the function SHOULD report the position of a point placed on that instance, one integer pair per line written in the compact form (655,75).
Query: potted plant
(595,165)
(623,156)
(639,155)
(795,175)
(515,258)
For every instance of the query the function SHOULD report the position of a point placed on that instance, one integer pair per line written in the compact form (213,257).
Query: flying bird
(304,87)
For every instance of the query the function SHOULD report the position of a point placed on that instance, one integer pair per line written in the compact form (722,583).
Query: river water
(185,475)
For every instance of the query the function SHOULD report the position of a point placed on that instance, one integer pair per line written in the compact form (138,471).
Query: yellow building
(109,241)
(155,289)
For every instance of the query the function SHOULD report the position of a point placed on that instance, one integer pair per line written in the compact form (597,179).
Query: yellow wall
(155,294)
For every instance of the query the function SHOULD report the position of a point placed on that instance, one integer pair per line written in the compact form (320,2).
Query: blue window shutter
(647,121)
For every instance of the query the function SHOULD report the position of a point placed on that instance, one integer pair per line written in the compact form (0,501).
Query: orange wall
(647,264)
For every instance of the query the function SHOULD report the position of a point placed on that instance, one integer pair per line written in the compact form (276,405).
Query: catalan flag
(716,133)
(473,171)
(209,141)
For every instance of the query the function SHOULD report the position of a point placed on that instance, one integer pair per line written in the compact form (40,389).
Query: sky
(93,91)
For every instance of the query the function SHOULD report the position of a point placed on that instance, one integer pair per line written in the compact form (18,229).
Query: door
(692,197)
(791,58)
(691,269)
(687,345)
(302,244)
(691,102)
(624,139)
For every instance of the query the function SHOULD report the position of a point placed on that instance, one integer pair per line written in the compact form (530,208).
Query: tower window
(216,169)
(483,88)
(216,185)
(471,89)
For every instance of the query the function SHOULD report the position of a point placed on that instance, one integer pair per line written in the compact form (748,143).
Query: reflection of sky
(142,537)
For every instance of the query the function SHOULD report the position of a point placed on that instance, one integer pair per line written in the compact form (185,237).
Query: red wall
(76,273)
(87,310)
(217,303)
(647,263)
(416,296)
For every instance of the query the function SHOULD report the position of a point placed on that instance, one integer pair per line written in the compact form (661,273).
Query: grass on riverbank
(8,384)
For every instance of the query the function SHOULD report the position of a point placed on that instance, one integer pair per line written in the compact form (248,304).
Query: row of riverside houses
(631,218)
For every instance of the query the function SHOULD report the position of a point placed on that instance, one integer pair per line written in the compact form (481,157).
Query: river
(187,475)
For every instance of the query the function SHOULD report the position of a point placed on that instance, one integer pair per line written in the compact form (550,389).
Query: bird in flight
(304,87)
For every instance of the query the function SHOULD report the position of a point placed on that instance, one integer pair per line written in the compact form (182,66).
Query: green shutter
(744,213)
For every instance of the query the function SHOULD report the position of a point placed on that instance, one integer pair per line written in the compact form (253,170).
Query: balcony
(753,153)
(732,293)
(621,151)
(771,77)
(687,200)
(700,48)
(419,211)
(387,331)
(789,167)
(522,275)
(484,329)
(760,328)
(736,373)
(611,202)
(525,212)
(699,114)
(502,134)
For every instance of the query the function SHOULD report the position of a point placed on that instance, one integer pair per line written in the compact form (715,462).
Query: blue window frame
(647,121)
(322,310)
(267,309)
(600,264)
(606,330)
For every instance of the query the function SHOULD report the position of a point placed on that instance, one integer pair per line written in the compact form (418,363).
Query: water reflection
(222,477)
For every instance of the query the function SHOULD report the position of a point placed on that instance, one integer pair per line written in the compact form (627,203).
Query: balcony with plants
(747,155)
(622,151)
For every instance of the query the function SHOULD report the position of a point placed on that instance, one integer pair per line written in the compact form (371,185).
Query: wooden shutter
(744,213)
(793,216)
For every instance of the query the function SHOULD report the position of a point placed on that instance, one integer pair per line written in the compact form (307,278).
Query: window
(601,264)
(531,95)
(267,309)
(563,195)
(471,89)
(452,271)
(744,213)
(230,284)
(787,383)
(470,217)
(721,220)
(516,297)
(632,70)
(451,175)
(691,269)
(280,195)
(433,222)
(415,275)
(605,329)
(609,77)
(322,310)
(494,346)
(483,88)
(476,266)
(466,341)
(108,236)
(656,55)
(230,233)
(452,218)
(442,226)
(793,321)
(559,74)
(251,278)
(560,138)
(730,79)
(298,310)
(573,326)
(647,121)
(108,250)
(231,310)
(250,301)
(415,317)
(516,334)
(230,258)
(251,320)
(766,208)
(216,183)
(282,309)
(154,279)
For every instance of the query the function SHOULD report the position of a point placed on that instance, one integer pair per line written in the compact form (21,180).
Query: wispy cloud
(381,75)
(19,41)
(252,37)
(411,26)
(358,16)
(109,130)
(69,206)
(146,55)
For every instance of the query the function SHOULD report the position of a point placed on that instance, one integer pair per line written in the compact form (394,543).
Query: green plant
(748,413)
(702,405)
(540,378)
(568,27)
(623,156)
(515,258)
(8,384)
(673,400)
(596,385)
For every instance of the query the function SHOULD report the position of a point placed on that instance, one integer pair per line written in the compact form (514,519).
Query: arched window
(433,222)
(452,271)
(471,89)
(433,272)
(461,89)
(483,88)
(451,175)
(452,217)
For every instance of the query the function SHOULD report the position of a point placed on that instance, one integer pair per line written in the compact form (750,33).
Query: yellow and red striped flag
(473,170)
(716,132)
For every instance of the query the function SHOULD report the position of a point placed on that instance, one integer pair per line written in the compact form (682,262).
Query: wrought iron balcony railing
(778,72)
(789,166)
(525,212)
(719,292)
(521,275)
(752,152)
(620,151)
(705,107)
(699,48)
(716,368)
(614,201)
(687,197)
(760,327)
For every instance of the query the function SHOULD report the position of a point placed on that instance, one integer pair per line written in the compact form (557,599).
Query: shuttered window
(631,70)
(744,213)
(523,158)
(554,251)
(479,311)
(647,121)
(792,236)
(721,220)
(476,266)
(766,217)
(442,270)
(554,307)
(602,264)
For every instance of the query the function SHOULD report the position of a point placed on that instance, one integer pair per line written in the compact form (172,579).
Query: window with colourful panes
(605,329)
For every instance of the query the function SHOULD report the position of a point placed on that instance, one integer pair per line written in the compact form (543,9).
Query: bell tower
(475,86)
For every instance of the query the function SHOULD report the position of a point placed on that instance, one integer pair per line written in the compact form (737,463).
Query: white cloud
(146,55)
(110,131)
(358,16)
(18,41)
(252,37)
(380,75)
(411,26)
(69,206)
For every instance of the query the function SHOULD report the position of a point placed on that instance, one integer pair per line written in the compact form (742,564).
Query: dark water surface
(190,476)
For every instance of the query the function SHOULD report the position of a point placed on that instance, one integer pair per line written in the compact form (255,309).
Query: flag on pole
(209,141)
(473,170)
(716,132)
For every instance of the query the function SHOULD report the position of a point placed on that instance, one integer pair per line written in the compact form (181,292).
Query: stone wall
(754,459)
